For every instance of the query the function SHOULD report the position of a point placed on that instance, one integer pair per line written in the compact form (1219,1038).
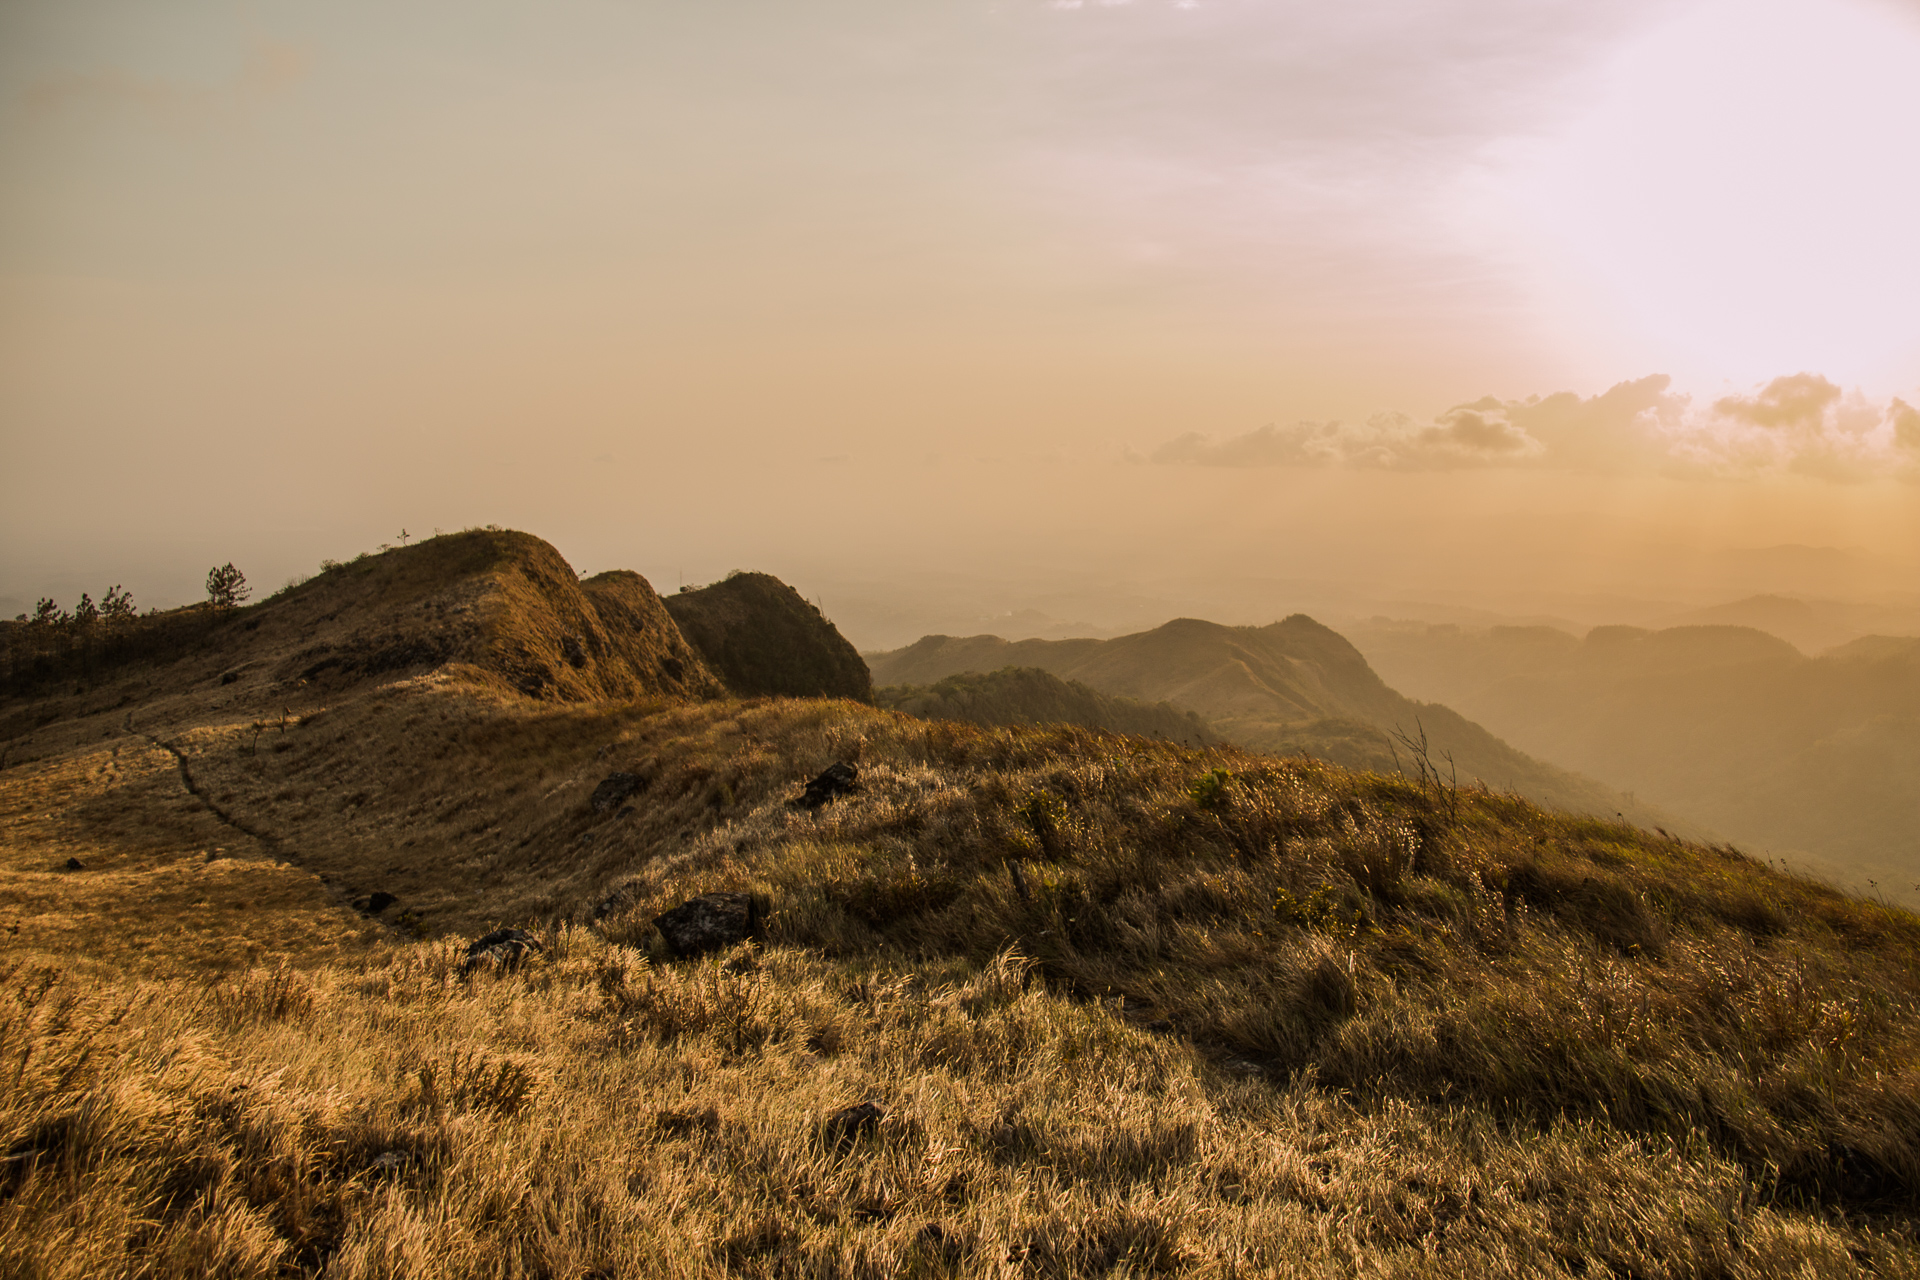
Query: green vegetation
(1127,1006)
(1028,695)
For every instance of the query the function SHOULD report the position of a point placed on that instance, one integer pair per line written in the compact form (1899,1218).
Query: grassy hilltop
(1125,1006)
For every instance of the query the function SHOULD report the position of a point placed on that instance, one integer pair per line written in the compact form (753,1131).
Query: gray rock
(614,789)
(709,922)
(836,780)
(503,949)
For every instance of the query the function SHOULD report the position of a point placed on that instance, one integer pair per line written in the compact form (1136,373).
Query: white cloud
(1801,424)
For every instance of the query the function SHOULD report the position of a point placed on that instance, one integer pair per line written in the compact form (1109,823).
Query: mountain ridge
(1292,686)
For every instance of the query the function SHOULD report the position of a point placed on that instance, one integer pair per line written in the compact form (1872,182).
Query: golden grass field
(1128,1007)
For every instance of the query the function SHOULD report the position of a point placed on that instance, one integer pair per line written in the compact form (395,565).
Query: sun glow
(1741,193)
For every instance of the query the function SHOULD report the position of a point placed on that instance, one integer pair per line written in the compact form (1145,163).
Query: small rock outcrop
(613,789)
(503,949)
(763,638)
(843,1126)
(710,922)
(836,780)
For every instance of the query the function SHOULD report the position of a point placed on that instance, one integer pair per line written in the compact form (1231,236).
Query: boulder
(843,1126)
(74,864)
(710,922)
(614,789)
(503,949)
(838,779)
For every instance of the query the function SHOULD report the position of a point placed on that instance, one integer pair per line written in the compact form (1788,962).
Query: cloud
(1800,424)
(1785,402)
(1906,425)
(1485,432)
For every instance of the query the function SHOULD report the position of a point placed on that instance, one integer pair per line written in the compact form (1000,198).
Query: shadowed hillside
(1014,1002)
(764,638)
(1814,757)
(1294,687)
(1028,695)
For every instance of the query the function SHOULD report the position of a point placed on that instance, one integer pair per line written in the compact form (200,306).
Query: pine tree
(226,587)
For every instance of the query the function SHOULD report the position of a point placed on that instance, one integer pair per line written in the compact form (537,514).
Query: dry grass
(1130,1009)
(599,1116)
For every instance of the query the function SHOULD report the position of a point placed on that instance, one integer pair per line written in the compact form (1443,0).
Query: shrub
(226,587)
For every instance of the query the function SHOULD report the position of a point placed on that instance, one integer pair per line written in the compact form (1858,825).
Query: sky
(953,308)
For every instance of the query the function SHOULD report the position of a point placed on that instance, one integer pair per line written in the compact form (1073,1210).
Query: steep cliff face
(763,638)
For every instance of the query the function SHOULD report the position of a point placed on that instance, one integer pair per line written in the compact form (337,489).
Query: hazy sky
(1482,295)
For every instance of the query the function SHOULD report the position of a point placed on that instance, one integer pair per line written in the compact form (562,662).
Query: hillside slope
(1814,757)
(1292,687)
(1030,696)
(1027,1002)
(764,638)
(504,604)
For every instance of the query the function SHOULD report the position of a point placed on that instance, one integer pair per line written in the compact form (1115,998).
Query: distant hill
(765,639)
(1030,696)
(1732,727)
(1293,687)
(1810,625)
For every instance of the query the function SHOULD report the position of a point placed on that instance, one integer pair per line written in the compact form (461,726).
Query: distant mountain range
(1810,625)
(1293,687)
(1817,757)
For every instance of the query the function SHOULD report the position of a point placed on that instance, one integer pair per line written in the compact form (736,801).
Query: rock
(687,1121)
(74,864)
(849,1123)
(504,949)
(374,903)
(613,789)
(837,779)
(709,922)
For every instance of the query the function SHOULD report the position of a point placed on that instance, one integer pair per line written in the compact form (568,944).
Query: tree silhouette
(226,587)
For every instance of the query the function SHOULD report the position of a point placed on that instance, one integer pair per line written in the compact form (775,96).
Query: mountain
(1813,757)
(1809,625)
(1030,696)
(1293,687)
(371,972)
(766,640)
(500,604)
